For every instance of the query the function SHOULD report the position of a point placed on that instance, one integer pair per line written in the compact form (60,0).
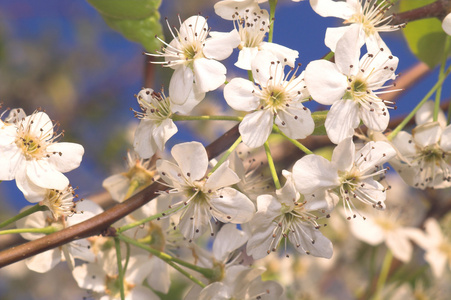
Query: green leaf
(136,20)
(425,37)
(126,9)
(142,31)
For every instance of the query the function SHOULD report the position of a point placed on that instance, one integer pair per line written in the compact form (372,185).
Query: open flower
(252,24)
(349,175)
(350,86)
(275,98)
(30,154)
(368,18)
(288,215)
(45,261)
(194,57)
(436,245)
(203,198)
(425,155)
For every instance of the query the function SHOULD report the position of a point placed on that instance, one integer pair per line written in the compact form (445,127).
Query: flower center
(31,146)
(357,89)
(349,181)
(274,97)
(432,154)
(113,287)
(192,51)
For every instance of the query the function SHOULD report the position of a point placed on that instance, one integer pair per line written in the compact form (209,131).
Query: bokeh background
(62,57)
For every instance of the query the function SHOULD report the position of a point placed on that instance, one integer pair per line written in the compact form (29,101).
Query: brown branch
(100,224)
(438,9)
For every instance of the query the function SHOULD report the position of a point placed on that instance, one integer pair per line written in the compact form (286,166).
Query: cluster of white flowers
(215,196)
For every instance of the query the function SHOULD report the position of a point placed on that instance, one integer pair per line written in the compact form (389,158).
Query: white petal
(11,161)
(330,8)
(325,82)
(285,54)
(171,173)
(117,185)
(446,24)
(295,121)
(222,177)
(239,95)
(382,67)
(341,120)
(348,50)
(192,158)
(427,134)
(221,44)
(181,84)
(66,156)
(228,239)
(313,172)
(163,132)
(426,112)
(144,143)
(39,124)
(266,66)
(159,279)
(333,35)
(232,206)
(245,57)
(90,277)
(209,74)
(445,141)
(193,28)
(256,128)
(260,242)
(307,238)
(42,174)
(376,119)
(403,142)
(401,247)
(227,10)
(343,155)
(437,260)
(45,261)
(367,230)
(373,154)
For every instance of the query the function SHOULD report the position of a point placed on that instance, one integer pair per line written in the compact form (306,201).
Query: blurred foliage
(426,38)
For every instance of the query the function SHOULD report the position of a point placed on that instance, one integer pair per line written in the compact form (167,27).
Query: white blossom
(425,155)
(349,174)
(80,249)
(30,154)
(288,215)
(203,197)
(367,16)
(446,24)
(194,57)
(276,98)
(350,86)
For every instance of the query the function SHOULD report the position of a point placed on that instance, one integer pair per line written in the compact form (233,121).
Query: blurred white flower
(425,155)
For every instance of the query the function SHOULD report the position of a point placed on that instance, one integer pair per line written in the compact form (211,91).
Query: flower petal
(313,172)
(325,82)
(341,120)
(181,84)
(209,74)
(239,94)
(295,121)
(221,44)
(192,159)
(256,128)
(66,156)
(232,206)
(222,177)
(343,155)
